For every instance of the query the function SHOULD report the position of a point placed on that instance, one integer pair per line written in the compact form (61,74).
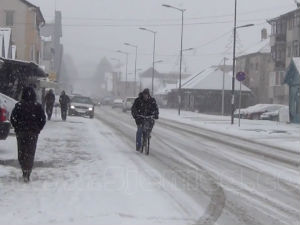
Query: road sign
(241,76)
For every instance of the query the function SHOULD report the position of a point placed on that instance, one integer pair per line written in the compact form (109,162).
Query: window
(9,15)
(279,78)
(291,23)
(289,51)
(296,49)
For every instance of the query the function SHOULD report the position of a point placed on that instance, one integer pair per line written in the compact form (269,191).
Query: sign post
(241,76)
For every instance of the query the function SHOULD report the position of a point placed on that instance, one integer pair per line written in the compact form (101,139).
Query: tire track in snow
(213,190)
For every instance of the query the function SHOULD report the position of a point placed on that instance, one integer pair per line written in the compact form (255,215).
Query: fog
(93,29)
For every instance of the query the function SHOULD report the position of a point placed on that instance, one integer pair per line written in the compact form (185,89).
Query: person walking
(49,101)
(64,101)
(28,119)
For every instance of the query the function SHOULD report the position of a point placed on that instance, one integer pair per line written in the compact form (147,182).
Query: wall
(24,33)
(258,68)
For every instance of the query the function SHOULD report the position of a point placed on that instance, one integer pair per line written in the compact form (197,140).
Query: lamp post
(126,70)
(181,46)
(154,45)
(234,60)
(135,64)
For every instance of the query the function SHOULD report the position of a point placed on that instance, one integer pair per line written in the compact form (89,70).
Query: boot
(26,176)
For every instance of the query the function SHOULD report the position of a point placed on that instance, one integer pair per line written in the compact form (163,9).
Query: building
(257,63)
(292,79)
(52,49)
(285,44)
(203,92)
(161,80)
(5,43)
(25,20)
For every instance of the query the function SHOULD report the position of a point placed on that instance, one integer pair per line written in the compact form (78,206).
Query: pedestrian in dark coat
(64,101)
(144,105)
(49,101)
(28,118)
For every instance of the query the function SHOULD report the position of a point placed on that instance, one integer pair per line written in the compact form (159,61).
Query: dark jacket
(50,99)
(28,116)
(64,101)
(141,107)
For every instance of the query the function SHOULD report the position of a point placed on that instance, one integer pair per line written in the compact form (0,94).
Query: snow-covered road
(87,172)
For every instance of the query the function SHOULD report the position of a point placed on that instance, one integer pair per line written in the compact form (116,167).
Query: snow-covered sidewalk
(84,174)
(272,133)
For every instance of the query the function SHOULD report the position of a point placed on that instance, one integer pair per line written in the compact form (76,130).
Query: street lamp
(181,46)
(135,64)
(234,60)
(126,79)
(153,66)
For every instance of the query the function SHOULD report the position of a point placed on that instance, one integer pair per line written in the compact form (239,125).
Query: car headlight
(90,109)
(72,107)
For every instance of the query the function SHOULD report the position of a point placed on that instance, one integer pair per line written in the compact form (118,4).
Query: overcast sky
(96,28)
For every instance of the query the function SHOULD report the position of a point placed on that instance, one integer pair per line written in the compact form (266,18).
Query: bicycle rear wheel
(142,148)
(147,150)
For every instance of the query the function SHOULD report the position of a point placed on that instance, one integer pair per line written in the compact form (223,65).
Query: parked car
(7,104)
(275,115)
(117,103)
(127,103)
(81,106)
(255,112)
(108,100)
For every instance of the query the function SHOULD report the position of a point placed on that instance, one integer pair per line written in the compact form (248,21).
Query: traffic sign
(241,76)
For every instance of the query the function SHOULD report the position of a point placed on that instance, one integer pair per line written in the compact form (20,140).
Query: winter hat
(28,94)
(146,91)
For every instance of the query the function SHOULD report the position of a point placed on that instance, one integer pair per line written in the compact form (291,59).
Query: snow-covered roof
(260,47)
(6,37)
(212,79)
(166,89)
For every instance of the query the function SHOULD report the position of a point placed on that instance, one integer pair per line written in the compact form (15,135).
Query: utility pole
(233,65)
(234,61)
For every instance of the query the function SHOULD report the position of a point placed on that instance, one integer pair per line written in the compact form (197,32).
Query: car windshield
(131,100)
(82,100)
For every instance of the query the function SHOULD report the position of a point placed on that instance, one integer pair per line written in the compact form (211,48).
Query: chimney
(264,34)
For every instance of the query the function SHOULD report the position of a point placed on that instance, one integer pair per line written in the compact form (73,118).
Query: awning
(23,68)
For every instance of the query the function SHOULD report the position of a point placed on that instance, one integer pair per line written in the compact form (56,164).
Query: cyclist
(144,105)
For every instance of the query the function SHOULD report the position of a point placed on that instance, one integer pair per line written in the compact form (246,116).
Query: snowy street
(88,172)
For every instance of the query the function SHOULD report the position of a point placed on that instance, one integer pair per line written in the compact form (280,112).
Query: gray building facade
(285,44)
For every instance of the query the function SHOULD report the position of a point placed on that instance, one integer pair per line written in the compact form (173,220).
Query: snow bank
(261,131)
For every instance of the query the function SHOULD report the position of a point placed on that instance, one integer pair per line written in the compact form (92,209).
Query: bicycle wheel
(143,143)
(147,149)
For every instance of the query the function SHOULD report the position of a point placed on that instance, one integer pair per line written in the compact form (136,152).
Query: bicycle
(147,125)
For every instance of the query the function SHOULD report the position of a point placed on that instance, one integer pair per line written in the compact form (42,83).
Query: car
(127,103)
(117,103)
(255,112)
(7,104)
(81,106)
(275,115)
(108,100)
